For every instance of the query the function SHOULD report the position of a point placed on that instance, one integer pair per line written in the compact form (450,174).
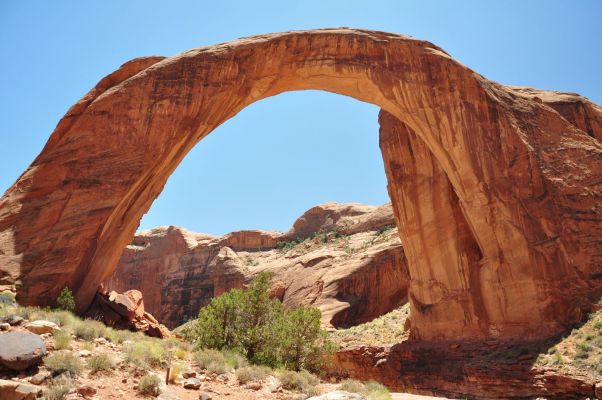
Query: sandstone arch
(516,254)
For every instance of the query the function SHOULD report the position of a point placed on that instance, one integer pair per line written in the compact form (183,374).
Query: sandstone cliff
(345,259)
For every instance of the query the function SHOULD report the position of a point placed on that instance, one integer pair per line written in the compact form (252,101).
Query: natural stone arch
(520,263)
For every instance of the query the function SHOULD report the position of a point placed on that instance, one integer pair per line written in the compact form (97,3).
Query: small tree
(66,301)
(259,327)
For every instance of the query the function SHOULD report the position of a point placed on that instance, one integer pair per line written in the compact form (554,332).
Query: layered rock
(463,369)
(346,259)
(519,255)
(126,311)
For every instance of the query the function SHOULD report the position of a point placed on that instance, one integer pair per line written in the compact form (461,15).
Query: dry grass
(149,385)
(384,330)
(252,373)
(62,339)
(101,363)
(302,381)
(211,360)
(581,350)
(64,361)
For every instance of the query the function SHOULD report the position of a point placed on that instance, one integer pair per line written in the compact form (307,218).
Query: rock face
(506,210)
(21,350)
(457,369)
(346,259)
(126,311)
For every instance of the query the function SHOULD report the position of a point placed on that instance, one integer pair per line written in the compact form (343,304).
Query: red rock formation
(352,279)
(491,370)
(126,311)
(524,171)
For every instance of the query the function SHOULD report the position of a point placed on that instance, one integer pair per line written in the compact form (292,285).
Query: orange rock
(511,246)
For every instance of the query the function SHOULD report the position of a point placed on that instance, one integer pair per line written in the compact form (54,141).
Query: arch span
(511,256)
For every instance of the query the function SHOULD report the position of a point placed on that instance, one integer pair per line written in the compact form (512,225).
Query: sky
(285,154)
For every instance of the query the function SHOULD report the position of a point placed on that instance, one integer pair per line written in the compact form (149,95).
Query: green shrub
(58,389)
(234,359)
(262,329)
(89,329)
(101,362)
(63,361)
(7,298)
(62,339)
(376,391)
(211,360)
(353,386)
(149,385)
(252,373)
(66,301)
(144,354)
(301,381)
(175,369)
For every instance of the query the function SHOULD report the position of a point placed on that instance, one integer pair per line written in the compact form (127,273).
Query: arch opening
(68,216)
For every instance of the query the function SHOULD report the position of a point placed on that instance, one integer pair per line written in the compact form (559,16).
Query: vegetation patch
(385,330)
(580,351)
(252,373)
(63,361)
(101,363)
(261,329)
(149,384)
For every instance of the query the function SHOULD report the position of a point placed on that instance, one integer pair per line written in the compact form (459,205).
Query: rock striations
(345,259)
(496,190)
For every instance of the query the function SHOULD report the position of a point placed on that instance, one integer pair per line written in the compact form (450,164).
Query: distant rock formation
(345,259)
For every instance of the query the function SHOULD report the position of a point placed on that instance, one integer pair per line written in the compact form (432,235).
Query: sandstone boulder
(126,311)
(21,350)
(41,326)
(11,390)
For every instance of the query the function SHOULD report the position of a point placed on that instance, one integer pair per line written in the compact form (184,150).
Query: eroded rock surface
(126,311)
(517,255)
(345,259)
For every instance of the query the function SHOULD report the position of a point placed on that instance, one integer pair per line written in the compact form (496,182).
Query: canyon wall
(345,259)
(519,254)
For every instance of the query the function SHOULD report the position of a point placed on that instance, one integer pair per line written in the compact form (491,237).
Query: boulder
(192,383)
(14,320)
(5,326)
(21,350)
(125,311)
(41,326)
(86,391)
(11,390)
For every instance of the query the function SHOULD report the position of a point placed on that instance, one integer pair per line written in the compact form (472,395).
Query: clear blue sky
(282,155)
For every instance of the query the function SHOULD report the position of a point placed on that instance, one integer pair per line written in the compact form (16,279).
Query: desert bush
(353,386)
(144,354)
(7,298)
(175,369)
(89,329)
(58,389)
(376,391)
(100,363)
(262,329)
(66,301)
(180,353)
(63,361)
(62,339)
(301,381)
(149,385)
(234,359)
(371,390)
(252,373)
(211,360)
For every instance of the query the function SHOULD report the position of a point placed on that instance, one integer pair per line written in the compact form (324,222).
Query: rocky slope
(345,259)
